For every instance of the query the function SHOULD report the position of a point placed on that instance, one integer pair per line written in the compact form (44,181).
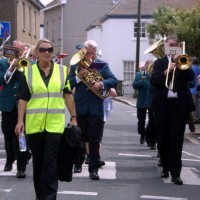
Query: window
(47,29)
(35,23)
(53,25)
(29,20)
(128,71)
(142,29)
(23,16)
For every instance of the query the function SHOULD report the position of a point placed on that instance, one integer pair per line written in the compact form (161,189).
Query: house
(21,19)
(116,34)
(65,22)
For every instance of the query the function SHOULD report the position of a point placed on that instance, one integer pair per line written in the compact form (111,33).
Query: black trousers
(45,147)
(141,115)
(92,128)
(151,136)
(9,121)
(172,125)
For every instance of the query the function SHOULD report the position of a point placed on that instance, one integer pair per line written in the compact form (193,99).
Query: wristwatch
(73,116)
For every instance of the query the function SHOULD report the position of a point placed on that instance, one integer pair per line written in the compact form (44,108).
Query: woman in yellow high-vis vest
(41,102)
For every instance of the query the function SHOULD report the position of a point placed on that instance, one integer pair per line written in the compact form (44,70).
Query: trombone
(182,62)
(20,64)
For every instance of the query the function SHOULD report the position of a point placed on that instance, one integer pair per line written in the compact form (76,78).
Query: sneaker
(21,174)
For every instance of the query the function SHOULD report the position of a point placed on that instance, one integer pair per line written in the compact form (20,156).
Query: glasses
(44,50)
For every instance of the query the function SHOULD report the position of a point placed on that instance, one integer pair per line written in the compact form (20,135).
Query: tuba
(158,50)
(89,75)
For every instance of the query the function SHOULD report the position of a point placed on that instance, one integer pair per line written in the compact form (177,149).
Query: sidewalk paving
(193,137)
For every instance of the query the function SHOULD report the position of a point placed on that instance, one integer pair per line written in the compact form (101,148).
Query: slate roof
(129,9)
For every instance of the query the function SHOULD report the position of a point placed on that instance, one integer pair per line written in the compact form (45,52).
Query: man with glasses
(89,106)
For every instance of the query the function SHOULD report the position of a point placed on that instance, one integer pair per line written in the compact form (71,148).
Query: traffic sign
(4,29)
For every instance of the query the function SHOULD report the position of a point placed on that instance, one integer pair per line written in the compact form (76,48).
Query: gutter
(50,7)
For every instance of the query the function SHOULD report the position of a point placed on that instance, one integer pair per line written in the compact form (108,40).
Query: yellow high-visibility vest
(46,108)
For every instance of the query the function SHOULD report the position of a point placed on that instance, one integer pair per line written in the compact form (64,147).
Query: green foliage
(184,23)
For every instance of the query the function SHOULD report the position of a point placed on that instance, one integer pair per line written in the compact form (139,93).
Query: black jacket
(182,77)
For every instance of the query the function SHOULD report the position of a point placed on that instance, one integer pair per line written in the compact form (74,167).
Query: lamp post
(138,35)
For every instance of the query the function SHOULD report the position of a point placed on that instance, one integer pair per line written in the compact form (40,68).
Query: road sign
(4,29)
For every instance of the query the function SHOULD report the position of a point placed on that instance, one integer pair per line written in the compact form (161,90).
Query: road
(130,173)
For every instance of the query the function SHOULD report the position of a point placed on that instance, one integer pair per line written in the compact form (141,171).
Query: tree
(183,23)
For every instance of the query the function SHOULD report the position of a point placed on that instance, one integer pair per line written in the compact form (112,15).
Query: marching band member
(89,106)
(8,107)
(172,107)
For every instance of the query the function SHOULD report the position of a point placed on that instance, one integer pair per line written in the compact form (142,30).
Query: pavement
(193,137)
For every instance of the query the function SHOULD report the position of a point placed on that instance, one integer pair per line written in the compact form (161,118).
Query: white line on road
(5,190)
(190,160)
(106,172)
(78,193)
(161,197)
(134,155)
(190,154)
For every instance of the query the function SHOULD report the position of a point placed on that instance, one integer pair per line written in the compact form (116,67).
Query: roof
(53,2)
(129,9)
(37,3)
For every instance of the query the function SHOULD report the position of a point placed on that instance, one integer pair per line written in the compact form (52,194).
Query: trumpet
(17,64)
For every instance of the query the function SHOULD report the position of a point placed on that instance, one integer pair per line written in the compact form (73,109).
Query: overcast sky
(45,2)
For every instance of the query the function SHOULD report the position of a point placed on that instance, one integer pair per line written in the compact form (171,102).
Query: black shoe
(159,163)
(8,167)
(177,181)
(142,139)
(101,163)
(28,157)
(21,174)
(152,147)
(87,160)
(94,176)
(77,169)
(164,174)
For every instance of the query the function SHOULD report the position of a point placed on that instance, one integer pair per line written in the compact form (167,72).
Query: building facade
(65,22)
(24,19)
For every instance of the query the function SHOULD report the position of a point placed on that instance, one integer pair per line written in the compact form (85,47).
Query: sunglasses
(44,50)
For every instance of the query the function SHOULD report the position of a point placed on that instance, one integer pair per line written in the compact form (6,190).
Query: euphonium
(88,76)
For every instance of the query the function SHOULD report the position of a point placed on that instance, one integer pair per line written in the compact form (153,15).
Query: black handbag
(72,151)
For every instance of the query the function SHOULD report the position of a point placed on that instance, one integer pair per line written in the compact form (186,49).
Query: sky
(45,2)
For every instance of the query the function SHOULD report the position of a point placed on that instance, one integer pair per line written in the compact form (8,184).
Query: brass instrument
(182,62)
(89,76)
(17,64)
(158,50)
(2,46)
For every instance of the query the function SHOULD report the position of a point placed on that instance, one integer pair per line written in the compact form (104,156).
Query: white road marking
(78,193)
(185,152)
(11,173)
(190,160)
(189,175)
(161,197)
(108,171)
(5,190)
(134,155)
